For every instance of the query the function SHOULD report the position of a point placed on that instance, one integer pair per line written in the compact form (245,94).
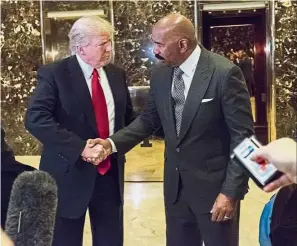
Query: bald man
(201,101)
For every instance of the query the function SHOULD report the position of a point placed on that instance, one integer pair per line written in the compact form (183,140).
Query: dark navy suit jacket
(60,115)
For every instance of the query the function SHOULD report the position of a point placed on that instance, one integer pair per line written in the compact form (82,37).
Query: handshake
(96,150)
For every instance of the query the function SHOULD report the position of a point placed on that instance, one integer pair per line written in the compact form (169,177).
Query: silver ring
(227,217)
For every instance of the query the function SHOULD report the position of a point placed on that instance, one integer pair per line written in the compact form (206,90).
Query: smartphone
(263,173)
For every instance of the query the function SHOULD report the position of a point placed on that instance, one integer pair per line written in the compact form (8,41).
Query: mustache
(159,57)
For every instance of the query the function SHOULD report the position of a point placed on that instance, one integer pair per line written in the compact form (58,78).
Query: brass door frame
(270,72)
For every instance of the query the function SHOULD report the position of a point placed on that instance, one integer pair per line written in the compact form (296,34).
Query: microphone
(32,209)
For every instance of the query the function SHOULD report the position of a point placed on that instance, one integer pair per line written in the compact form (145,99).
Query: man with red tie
(79,98)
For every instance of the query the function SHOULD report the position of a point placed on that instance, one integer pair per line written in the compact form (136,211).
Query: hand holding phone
(282,153)
(261,171)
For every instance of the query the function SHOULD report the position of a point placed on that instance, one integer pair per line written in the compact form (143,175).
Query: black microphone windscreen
(32,209)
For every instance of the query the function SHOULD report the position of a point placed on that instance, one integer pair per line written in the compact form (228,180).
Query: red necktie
(101,115)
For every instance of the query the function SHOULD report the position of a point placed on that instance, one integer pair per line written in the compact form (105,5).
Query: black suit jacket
(60,115)
(209,130)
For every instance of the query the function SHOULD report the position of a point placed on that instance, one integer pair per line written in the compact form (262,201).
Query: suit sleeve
(41,123)
(237,111)
(142,127)
(130,114)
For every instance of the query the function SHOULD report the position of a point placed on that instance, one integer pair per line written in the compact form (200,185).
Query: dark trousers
(187,226)
(106,217)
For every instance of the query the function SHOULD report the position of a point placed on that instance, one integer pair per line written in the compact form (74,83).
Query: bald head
(174,39)
(176,26)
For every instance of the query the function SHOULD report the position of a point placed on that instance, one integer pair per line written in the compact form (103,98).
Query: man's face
(240,54)
(165,49)
(99,51)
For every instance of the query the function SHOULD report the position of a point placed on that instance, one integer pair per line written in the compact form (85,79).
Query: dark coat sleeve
(130,114)
(40,119)
(237,112)
(142,127)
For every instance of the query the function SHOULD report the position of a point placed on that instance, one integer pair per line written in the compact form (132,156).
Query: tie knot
(178,72)
(95,73)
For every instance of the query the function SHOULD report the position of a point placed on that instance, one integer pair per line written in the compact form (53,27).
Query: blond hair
(86,28)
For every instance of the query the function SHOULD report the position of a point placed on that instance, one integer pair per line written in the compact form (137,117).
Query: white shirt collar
(189,65)
(86,68)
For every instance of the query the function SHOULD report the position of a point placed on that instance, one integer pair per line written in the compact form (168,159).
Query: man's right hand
(93,153)
(103,142)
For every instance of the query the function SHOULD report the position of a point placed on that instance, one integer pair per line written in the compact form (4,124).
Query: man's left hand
(224,208)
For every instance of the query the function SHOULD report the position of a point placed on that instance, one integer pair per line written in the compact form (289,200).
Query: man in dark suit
(79,98)
(201,101)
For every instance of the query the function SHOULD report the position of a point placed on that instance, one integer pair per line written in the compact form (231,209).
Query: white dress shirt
(87,71)
(189,68)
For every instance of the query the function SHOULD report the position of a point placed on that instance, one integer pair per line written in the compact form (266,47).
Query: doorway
(239,33)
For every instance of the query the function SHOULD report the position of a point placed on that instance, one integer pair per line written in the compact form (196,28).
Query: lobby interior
(34,33)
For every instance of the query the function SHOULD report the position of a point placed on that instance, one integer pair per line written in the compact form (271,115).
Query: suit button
(178,150)
(176,169)
(63,157)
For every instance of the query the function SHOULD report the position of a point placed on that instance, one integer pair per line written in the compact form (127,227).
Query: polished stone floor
(144,210)
(144,215)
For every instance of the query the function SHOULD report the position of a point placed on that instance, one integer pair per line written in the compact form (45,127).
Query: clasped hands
(96,150)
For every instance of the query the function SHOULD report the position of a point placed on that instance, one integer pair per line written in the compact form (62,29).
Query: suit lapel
(82,92)
(196,92)
(168,105)
(112,80)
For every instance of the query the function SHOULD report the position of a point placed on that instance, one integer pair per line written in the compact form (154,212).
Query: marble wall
(21,54)
(133,45)
(286,69)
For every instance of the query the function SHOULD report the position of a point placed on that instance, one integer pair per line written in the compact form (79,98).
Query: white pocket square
(206,100)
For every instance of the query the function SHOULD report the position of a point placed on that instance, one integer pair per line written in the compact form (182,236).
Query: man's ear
(183,45)
(81,50)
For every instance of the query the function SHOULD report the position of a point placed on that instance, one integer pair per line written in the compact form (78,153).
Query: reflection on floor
(145,163)
(144,211)
(145,223)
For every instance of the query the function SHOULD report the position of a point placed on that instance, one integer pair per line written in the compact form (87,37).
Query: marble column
(21,55)
(286,68)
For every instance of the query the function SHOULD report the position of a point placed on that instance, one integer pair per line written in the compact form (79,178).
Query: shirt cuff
(114,148)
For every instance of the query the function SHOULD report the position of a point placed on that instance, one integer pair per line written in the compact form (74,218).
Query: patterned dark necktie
(178,97)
